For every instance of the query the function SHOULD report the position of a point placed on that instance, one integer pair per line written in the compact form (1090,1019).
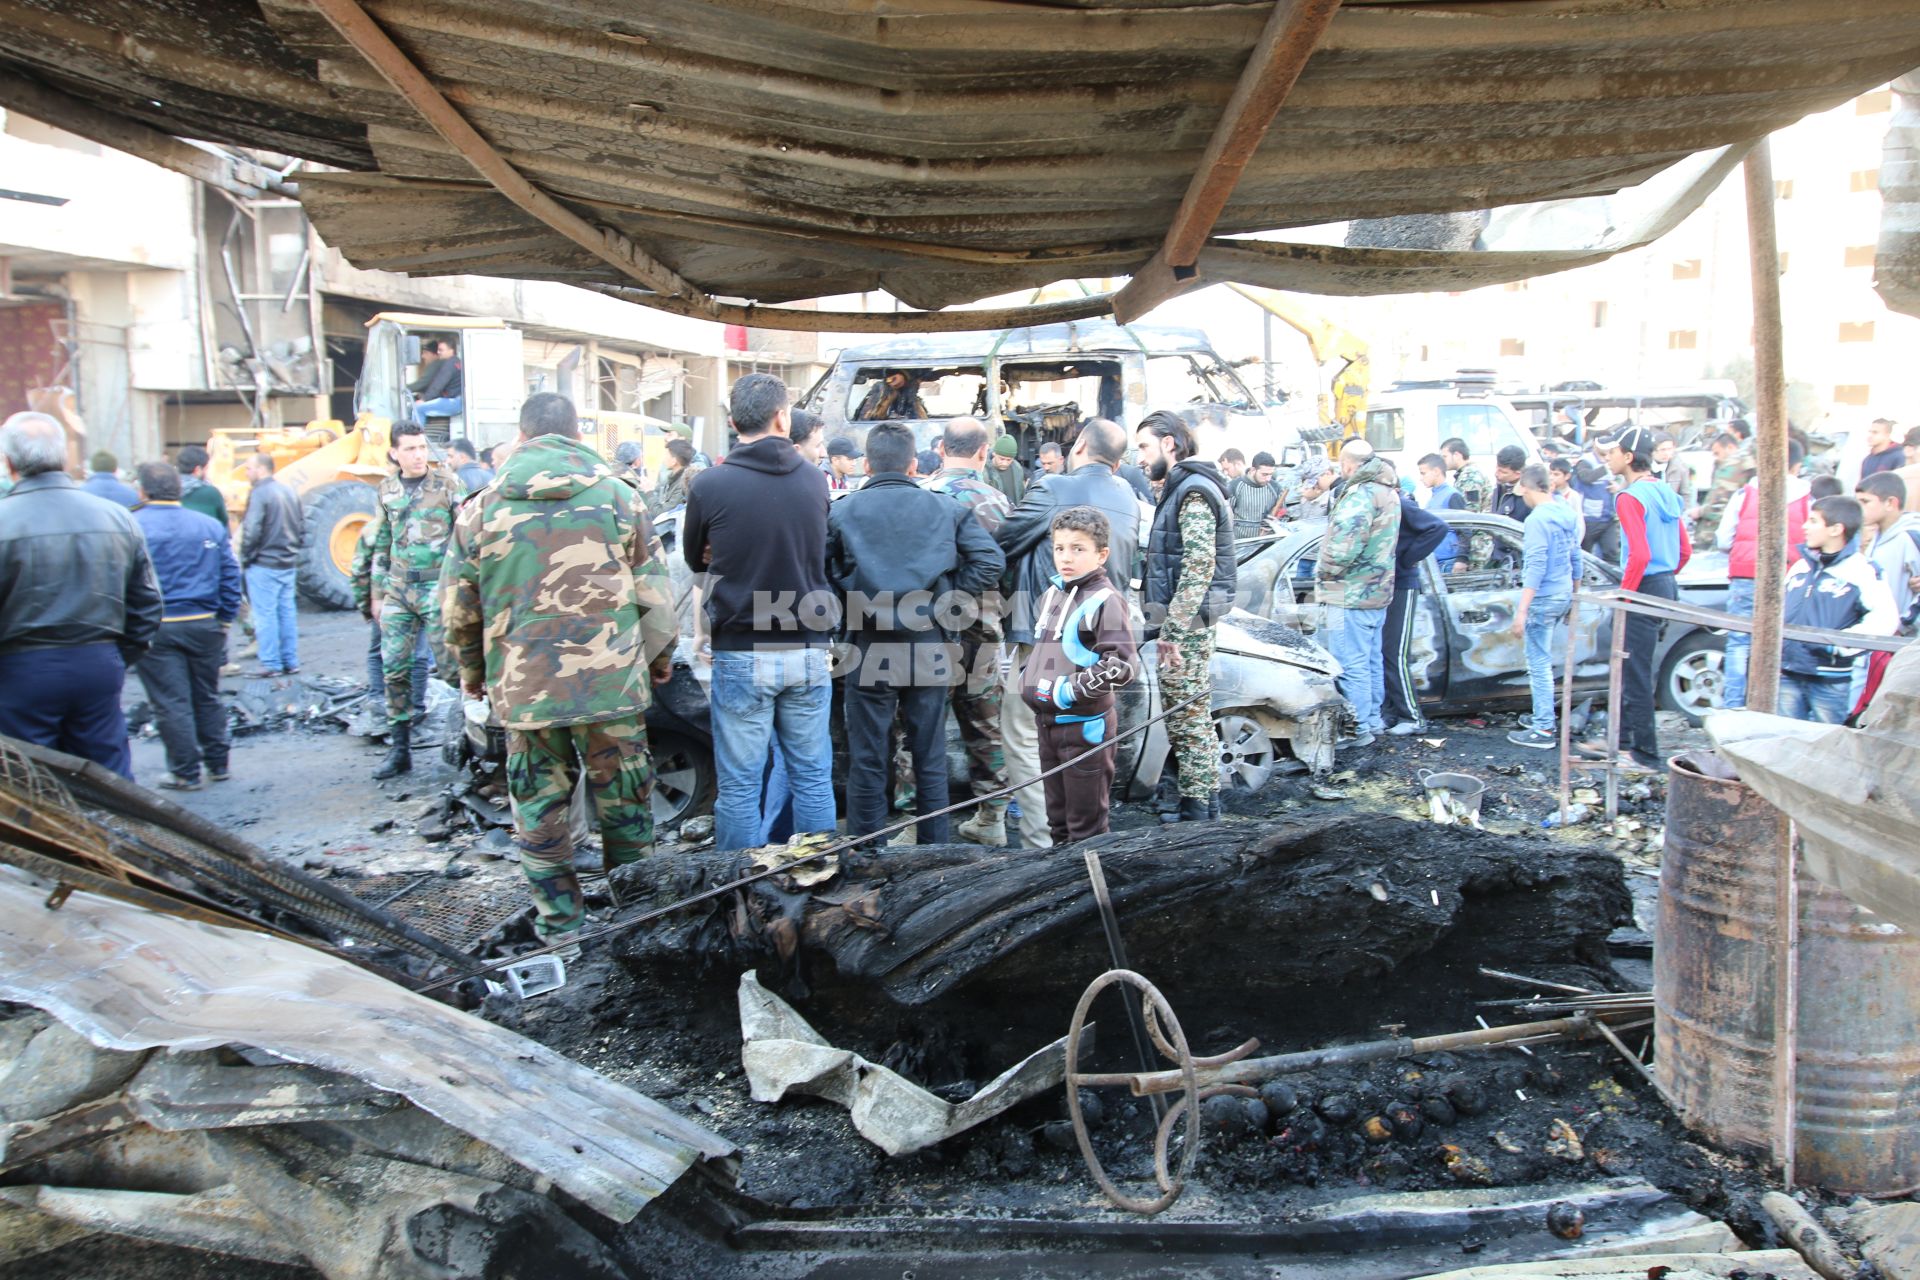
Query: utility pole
(1770,435)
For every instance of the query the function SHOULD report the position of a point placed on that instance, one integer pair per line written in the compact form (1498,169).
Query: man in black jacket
(1026,538)
(1190,581)
(271,535)
(1421,533)
(78,602)
(894,551)
(756,527)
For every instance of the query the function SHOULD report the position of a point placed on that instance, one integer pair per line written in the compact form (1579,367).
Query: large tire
(683,778)
(1692,676)
(336,514)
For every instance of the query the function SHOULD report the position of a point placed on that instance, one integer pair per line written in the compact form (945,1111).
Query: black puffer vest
(1164,550)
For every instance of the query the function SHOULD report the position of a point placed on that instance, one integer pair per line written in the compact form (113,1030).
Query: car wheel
(683,779)
(1692,680)
(1246,752)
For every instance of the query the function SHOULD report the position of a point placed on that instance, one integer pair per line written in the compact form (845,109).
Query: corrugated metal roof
(945,149)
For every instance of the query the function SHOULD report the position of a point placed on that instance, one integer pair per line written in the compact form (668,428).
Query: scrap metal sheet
(131,979)
(1850,792)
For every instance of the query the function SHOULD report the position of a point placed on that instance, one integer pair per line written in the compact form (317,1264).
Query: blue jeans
(1544,617)
(1353,637)
(270,591)
(1739,644)
(1811,698)
(444,407)
(68,698)
(756,696)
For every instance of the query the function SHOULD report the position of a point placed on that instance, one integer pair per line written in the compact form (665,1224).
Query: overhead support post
(1292,33)
(795,320)
(611,246)
(1770,436)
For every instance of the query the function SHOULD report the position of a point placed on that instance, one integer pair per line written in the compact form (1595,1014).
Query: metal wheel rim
(674,786)
(1696,681)
(1172,1184)
(1246,752)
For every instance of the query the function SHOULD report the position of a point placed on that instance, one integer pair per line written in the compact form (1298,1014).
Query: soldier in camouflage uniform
(976,699)
(361,578)
(412,522)
(557,611)
(1190,581)
(1470,480)
(1353,579)
(1732,467)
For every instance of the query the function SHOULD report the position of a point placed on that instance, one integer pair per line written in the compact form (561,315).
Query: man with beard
(1190,582)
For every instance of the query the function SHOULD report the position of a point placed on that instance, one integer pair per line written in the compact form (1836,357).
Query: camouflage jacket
(1356,563)
(1474,486)
(551,598)
(1729,478)
(991,508)
(410,532)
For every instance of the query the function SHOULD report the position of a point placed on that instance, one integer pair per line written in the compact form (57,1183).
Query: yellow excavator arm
(1341,354)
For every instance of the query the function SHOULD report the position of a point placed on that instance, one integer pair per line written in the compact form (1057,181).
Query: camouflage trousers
(543,768)
(1195,748)
(976,704)
(404,617)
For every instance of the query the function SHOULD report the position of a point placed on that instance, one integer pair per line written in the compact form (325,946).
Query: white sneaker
(1407,728)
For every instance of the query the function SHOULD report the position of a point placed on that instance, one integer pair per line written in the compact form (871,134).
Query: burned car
(1041,384)
(1464,655)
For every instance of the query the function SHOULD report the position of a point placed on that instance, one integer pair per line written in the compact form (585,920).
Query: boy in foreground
(1083,651)
(1835,588)
(1549,576)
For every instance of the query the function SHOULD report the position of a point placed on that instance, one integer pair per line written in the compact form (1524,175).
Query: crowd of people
(925,581)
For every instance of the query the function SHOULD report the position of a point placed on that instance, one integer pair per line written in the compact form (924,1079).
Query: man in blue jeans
(271,534)
(1549,575)
(756,526)
(1353,580)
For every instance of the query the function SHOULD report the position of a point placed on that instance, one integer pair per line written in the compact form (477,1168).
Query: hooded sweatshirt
(1653,538)
(757,524)
(1835,591)
(549,597)
(1083,649)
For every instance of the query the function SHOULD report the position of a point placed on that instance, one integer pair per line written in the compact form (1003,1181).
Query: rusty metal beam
(1770,435)
(359,29)
(64,111)
(794,320)
(1291,35)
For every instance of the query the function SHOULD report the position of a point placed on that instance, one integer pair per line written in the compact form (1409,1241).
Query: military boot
(1166,799)
(1199,808)
(400,756)
(987,826)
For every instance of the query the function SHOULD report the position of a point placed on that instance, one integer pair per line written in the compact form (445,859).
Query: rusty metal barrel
(1717,962)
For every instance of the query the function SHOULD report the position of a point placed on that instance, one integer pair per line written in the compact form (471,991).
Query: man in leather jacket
(78,602)
(1026,537)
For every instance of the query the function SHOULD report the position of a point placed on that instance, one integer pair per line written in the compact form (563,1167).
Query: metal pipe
(1614,662)
(1291,35)
(1786,1013)
(1770,436)
(1253,1070)
(359,29)
(1566,713)
(1117,953)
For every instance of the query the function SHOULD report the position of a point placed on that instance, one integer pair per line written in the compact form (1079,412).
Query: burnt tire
(335,515)
(1692,675)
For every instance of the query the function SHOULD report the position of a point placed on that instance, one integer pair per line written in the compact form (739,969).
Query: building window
(1860,331)
(1682,340)
(1599,315)
(1850,393)
(1688,270)
(1859,255)
(1873,104)
(1783,188)
(1864,180)
(1512,347)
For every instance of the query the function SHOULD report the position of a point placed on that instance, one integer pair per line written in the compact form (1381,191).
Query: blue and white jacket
(1837,592)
